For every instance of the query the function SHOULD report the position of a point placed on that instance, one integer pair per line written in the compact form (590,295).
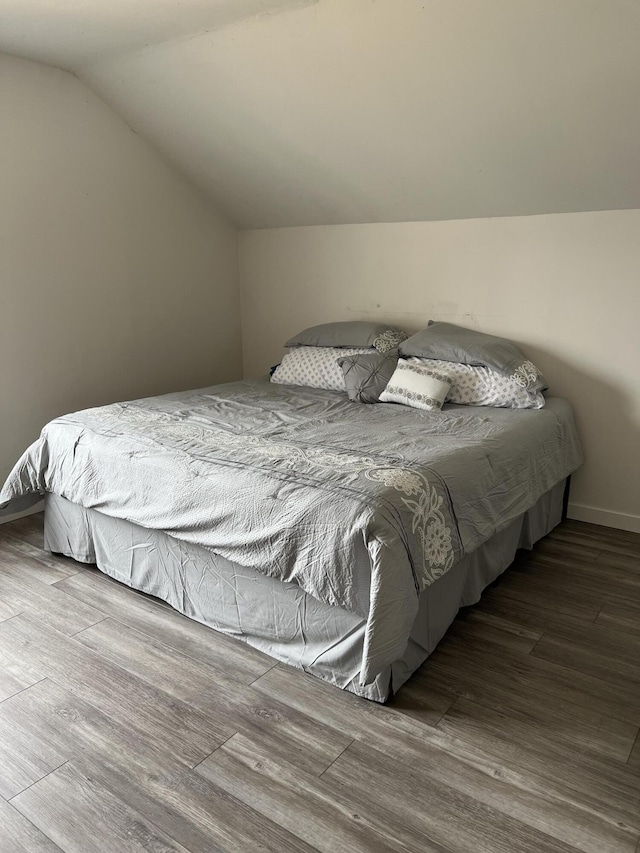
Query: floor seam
(635,743)
(88,627)
(22,690)
(37,781)
(213,752)
(329,766)
(251,683)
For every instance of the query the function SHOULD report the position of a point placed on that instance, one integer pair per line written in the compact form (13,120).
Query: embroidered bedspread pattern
(285,504)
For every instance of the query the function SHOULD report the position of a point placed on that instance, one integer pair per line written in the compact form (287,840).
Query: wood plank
(15,672)
(190,734)
(30,529)
(580,657)
(607,639)
(287,733)
(599,578)
(531,786)
(513,614)
(603,538)
(629,563)
(573,552)
(622,615)
(520,619)
(551,593)
(324,817)
(341,710)
(19,835)
(505,635)
(7,611)
(564,722)
(145,775)
(453,817)
(21,592)
(24,759)
(569,535)
(549,677)
(48,567)
(13,679)
(607,789)
(25,537)
(73,728)
(425,706)
(634,758)
(227,655)
(78,814)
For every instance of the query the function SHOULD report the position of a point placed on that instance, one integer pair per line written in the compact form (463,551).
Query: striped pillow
(417,386)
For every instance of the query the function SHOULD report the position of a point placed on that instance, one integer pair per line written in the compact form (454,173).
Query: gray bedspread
(294,481)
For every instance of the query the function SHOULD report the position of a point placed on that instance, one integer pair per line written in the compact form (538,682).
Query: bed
(336,537)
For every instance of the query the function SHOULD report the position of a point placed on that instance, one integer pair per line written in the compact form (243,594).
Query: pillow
(480,386)
(367,375)
(447,342)
(418,386)
(315,367)
(353,333)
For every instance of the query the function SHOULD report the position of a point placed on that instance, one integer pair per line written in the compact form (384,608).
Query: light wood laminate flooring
(126,727)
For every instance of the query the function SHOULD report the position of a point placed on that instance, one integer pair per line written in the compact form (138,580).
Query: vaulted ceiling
(298,112)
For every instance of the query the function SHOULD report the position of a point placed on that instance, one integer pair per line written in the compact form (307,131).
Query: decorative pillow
(447,342)
(367,375)
(315,367)
(418,386)
(353,333)
(480,386)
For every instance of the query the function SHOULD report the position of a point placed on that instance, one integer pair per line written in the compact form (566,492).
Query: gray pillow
(367,375)
(352,333)
(448,342)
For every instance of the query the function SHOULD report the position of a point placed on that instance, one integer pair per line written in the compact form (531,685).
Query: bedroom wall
(565,287)
(117,278)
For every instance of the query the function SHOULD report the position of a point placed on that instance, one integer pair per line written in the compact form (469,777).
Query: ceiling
(344,111)
(71,33)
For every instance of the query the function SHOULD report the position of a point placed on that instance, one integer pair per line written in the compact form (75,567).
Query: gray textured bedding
(293,481)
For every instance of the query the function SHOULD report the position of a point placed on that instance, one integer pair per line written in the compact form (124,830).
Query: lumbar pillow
(480,386)
(352,333)
(418,386)
(315,367)
(367,375)
(447,342)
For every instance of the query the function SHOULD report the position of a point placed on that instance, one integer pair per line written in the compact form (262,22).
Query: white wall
(117,279)
(566,287)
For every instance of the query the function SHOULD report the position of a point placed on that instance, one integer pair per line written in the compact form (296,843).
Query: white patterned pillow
(315,367)
(417,385)
(481,386)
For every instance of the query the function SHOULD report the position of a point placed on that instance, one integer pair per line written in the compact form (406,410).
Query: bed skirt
(279,618)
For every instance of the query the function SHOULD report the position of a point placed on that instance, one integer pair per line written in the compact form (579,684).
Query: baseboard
(16,515)
(606,517)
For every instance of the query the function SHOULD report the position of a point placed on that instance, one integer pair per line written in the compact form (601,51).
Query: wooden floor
(125,727)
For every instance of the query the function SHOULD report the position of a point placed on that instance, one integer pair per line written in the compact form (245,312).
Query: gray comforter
(292,481)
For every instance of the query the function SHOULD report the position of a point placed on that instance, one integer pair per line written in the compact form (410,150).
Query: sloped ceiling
(71,33)
(342,111)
